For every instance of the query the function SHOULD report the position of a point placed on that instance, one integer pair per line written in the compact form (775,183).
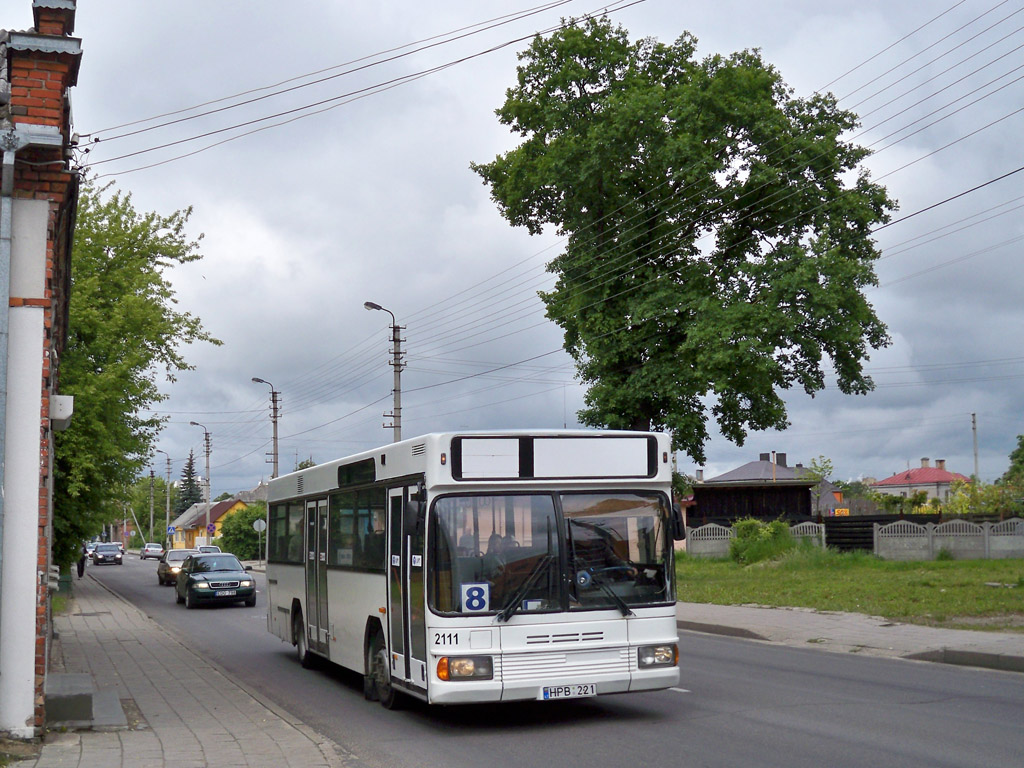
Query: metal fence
(962,539)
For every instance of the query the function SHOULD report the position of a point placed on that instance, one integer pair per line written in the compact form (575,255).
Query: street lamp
(208,448)
(273,417)
(396,363)
(167,523)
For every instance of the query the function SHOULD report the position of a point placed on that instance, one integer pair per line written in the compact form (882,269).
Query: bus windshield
(505,554)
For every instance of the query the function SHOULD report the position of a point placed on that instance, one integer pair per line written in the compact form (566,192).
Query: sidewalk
(856,633)
(182,711)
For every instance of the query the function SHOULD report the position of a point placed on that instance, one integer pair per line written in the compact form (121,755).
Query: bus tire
(381,673)
(301,642)
(369,652)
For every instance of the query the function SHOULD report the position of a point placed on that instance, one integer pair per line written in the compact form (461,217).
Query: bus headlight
(463,667)
(657,656)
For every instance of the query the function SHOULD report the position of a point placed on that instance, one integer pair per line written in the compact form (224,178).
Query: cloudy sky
(317,198)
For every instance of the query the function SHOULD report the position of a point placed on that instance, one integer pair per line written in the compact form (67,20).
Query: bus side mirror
(678,528)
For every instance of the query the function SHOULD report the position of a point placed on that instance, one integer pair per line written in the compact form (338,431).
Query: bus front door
(316,576)
(406,596)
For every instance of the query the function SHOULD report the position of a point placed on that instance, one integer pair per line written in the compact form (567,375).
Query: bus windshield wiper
(513,603)
(599,581)
(623,607)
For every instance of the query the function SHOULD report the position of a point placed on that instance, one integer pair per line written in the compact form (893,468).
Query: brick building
(38,194)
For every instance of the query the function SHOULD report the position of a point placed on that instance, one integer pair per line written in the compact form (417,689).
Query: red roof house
(935,481)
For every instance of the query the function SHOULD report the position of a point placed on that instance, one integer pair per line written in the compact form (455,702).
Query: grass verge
(974,594)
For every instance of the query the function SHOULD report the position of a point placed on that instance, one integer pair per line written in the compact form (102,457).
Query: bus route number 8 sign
(476,598)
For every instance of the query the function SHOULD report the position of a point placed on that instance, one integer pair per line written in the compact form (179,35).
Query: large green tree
(124,332)
(718,229)
(238,536)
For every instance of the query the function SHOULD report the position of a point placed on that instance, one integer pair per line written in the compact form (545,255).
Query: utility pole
(152,475)
(274,412)
(208,447)
(974,429)
(167,523)
(396,363)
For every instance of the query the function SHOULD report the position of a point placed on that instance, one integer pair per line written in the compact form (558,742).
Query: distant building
(934,481)
(763,489)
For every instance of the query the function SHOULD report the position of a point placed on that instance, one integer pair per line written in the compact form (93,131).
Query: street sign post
(259,525)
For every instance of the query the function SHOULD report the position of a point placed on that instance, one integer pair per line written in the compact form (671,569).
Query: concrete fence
(712,540)
(964,540)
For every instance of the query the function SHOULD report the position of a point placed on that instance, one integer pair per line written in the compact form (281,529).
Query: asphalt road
(740,703)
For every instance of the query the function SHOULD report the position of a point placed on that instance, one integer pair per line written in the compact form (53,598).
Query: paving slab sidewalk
(856,633)
(182,710)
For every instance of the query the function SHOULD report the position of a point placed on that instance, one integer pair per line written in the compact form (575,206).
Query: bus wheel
(386,693)
(369,662)
(301,641)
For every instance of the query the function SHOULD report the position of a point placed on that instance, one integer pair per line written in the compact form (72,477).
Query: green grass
(948,593)
(59,603)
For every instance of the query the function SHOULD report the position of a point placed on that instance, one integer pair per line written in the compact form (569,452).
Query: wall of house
(43,204)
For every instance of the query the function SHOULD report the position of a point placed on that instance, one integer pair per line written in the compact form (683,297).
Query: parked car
(215,578)
(151,550)
(170,563)
(109,554)
(208,548)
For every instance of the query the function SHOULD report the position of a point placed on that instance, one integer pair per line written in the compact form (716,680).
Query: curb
(953,656)
(961,658)
(328,748)
(720,629)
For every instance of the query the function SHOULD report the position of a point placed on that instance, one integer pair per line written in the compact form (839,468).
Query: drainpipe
(7,143)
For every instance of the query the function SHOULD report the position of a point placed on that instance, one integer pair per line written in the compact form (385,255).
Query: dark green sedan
(215,578)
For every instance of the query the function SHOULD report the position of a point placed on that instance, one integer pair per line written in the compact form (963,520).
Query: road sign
(211,528)
(259,525)
(170,530)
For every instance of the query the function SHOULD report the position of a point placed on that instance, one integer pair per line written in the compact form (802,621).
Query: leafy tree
(1012,481)
(224,496)
(818,470)
(718,229)
(238,536)
(305,464)
(123,331)
(190,491)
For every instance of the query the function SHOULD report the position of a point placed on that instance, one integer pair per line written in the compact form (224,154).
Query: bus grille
(529,666)
(564,637)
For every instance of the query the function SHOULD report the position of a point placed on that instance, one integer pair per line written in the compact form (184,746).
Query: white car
(208,548)
(152,550)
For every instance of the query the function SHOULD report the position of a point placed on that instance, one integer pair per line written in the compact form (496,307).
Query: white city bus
(471,567)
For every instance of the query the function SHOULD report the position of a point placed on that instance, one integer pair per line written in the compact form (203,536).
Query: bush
(756,540)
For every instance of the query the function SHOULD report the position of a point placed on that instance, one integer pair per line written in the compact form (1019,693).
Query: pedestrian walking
(81,561)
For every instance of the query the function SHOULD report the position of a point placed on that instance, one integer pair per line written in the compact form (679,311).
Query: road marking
(680,690)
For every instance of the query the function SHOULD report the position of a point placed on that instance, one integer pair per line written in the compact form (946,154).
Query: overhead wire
(916,213)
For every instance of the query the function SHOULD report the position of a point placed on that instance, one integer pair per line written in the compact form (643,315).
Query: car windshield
(504,554)
(178,554)
(220,563)
(106,548)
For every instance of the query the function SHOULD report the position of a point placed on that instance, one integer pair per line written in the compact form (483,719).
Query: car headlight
(200,585)
(657,656)
(175,568)
(118,555)
(462,667)
(245,583)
